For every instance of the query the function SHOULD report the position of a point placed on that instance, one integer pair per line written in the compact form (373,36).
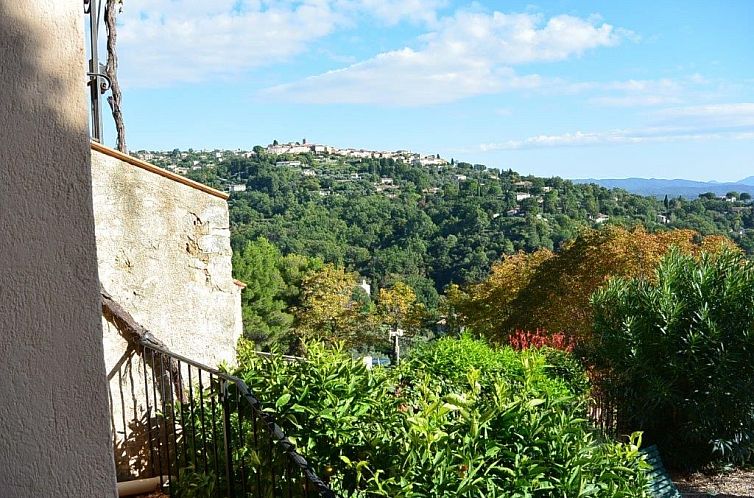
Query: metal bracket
(104,85)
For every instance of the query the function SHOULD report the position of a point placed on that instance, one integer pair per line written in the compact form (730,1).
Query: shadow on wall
(146,432)
(134,430)
(53,403)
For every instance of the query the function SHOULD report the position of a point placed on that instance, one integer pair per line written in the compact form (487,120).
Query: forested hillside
(427,225)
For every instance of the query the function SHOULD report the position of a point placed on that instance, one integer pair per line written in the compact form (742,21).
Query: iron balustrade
(98,83)
(197,427)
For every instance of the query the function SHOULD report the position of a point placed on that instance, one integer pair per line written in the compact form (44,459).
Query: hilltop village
(333,167)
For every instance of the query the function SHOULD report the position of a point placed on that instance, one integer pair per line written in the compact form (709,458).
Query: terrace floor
(735,484)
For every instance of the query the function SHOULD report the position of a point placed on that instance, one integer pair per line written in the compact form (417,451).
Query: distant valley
(689,189)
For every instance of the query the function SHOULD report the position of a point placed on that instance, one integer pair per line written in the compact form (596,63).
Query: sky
(577,89)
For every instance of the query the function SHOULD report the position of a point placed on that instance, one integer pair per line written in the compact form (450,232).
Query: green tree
(265,320)
(328,310)
(294,268)
(552,290)
(679,351)
(397,307)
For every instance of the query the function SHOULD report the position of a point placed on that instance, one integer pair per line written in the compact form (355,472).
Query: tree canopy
(551,290)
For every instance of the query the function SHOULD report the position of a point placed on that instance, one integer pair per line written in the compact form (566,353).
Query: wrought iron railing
(602,410)
(98,82)
(198,428)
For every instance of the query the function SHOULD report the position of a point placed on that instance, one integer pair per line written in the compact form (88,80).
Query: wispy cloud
(394,11)
(614,137)
(164,42)
(636,100)
(682,124)
(470,53)
(639,93)
(731,115)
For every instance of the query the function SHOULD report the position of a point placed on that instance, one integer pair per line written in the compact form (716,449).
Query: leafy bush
(450,360)
(458,418)
(680,356)
(192,484)
(330,405)
(565,366)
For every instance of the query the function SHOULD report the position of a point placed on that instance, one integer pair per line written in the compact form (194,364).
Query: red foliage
(524,339)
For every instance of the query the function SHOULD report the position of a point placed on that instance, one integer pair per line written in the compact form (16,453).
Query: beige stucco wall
(54,430)
(164,254)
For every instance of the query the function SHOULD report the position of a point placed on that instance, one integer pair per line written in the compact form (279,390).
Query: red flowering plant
(557,349)
(525,339)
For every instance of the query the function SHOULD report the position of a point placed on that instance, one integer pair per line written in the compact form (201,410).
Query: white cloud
(163,42)
(642,93)
(639,93)
(636,100)
(616,137)
(468,54)
(394,11)
(733,121)
(731,115)
(402,78)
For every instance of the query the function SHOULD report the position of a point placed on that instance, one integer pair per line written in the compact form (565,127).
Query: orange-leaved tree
(397,307)
(328,309)
(551,291)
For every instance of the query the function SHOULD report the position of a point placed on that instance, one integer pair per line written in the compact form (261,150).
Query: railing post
(229,475)
(93,8)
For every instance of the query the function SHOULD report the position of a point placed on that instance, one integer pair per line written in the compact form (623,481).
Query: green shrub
(457,419)
(449,361)
(680,356)
(330,405)
(565,366)
(192,484)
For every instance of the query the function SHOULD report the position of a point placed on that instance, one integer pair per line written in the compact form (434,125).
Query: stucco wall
(54,434)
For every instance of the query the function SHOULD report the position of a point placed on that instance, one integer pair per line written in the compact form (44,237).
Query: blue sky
(603,89)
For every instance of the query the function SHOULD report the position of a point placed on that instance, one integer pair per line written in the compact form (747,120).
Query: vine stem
(111,69)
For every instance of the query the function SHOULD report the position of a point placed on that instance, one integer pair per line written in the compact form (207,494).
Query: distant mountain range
(672,188)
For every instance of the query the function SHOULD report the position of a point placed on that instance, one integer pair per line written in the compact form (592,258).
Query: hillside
(428,225)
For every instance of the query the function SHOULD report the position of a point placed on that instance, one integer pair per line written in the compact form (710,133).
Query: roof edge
(157,170)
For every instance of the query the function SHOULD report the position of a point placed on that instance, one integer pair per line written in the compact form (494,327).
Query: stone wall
(163,248)
(54,437)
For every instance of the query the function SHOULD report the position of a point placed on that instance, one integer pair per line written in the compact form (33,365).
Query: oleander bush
(457,419)
(679,353)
